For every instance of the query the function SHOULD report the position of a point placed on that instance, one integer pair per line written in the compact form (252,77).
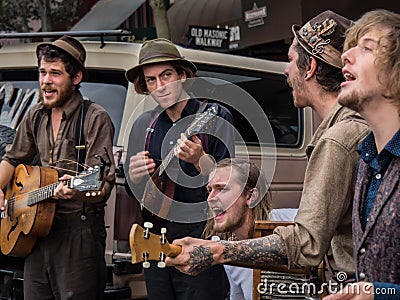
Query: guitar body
(23,224)
(157,197)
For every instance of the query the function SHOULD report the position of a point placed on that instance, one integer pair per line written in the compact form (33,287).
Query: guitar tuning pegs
(146,263)
(146,233)
(148,225)
(163,238)
(87,194)
(161,263)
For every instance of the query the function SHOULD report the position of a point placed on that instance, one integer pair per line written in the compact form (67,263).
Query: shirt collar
(368,151)
(191,107)
(76,102)
(71,108)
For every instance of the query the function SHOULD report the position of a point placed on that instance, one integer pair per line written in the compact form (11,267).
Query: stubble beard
(229,225)
(296,84)
(354,100)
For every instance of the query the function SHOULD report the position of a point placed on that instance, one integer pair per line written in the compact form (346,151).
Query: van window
(17,96)
(272,94)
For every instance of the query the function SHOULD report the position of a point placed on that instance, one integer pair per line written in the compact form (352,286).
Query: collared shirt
(217,139)
(378,162)
(60,153)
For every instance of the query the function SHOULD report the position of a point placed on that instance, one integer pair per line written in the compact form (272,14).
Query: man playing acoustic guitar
(68,262)
(162,73)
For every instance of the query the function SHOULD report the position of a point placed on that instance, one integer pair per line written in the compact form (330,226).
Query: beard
(354,100)
(233,223)
(297,84)
(65,94)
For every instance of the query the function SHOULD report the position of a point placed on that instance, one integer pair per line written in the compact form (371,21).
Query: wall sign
(200,36)
(255,16)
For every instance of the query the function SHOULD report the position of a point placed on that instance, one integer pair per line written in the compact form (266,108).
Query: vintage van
(262,90)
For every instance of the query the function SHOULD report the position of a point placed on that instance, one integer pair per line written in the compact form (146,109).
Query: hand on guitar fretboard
(146,246)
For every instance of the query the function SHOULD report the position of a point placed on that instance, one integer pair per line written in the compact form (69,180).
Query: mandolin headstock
(146,246)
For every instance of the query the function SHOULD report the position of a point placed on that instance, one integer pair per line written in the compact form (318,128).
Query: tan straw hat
(323,37)
(72,47)
(157,51)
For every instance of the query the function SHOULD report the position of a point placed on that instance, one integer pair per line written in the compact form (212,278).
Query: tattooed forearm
(200,259)
(262,251)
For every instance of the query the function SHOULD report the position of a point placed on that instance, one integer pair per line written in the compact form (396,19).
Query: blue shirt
(378,162)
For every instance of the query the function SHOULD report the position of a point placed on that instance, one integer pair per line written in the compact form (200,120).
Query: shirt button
(378,176)
(361,276)
(362,251)
(171,142)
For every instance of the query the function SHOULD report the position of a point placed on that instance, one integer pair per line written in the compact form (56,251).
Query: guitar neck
(195,127)
(42,193)
(171,154)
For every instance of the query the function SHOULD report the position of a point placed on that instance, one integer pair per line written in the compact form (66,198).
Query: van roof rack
(55,34)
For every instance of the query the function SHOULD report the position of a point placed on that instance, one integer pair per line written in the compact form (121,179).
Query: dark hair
(50,54)
(327,76)
(140,82)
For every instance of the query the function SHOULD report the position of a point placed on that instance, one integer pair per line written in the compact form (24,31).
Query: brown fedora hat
(157,51)
(72,47)
(323,37)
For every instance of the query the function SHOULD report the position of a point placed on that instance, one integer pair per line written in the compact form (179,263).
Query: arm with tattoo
(198,255)
(269,250)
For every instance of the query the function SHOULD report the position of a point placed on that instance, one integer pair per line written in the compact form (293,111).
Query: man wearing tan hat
(323,222)
(69,262)
(164,75)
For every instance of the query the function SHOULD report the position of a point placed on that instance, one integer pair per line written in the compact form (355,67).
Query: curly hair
(388,50)
(49,54)
(140,82)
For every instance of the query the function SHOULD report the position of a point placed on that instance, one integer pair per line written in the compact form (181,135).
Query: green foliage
(17,15)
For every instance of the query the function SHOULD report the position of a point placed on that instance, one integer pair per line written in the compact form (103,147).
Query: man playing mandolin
(67,259)
(178,126)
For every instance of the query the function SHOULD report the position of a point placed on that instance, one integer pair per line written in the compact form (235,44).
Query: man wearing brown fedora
(164,75)
(323,223)
(69,262)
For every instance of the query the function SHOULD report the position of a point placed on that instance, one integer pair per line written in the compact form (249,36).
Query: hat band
(154,55)
(70,49)
(313,36)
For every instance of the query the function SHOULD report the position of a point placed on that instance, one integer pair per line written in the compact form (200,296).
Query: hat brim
(295,29)
(134,72)
(81,66)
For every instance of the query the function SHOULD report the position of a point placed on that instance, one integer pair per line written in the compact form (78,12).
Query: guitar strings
(70,162)
(42,190)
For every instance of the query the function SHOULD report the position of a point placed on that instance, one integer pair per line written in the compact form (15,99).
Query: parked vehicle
(260,80)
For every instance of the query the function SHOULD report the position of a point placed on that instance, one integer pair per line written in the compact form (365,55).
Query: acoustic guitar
(159,189)
(30,209)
